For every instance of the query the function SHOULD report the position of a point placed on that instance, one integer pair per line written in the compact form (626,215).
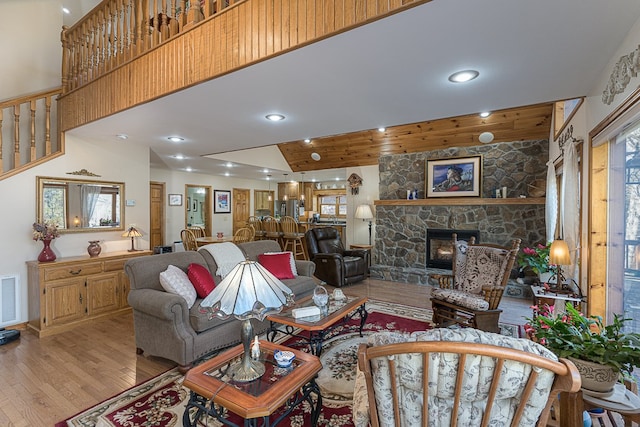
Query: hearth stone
(421,276)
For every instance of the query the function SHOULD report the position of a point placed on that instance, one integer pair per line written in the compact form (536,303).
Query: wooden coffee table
(212,390)
(340,311)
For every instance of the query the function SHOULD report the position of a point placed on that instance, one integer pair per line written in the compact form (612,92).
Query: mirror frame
(568,108)
(40,182)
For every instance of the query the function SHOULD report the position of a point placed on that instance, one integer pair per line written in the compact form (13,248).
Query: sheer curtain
(569,205)
(89,195)
(551,207)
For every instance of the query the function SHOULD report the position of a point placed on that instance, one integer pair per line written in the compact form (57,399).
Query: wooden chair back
(197,231)
(188,240)
(243,235)
(271,227)
(256,223)
(509,383)
(289,227)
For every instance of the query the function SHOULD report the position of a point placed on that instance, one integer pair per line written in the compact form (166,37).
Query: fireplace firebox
(440,245)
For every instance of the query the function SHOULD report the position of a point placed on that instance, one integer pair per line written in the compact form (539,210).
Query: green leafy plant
(572,334)
(536,258)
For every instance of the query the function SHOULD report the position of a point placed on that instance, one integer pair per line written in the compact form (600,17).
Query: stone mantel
(461,201)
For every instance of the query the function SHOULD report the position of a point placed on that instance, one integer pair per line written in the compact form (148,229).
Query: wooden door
(156,214)
(240,208)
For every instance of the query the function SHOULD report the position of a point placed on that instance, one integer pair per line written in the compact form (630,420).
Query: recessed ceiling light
(65,10)
(188,169)
(307,140)
(313,180)
(265,170)
(381,129)
(463,76)
(122,136)
(315,156)
(485,137)
(275,117)
(485,114)
(337,178)
(179,157)
(226,174)
(229,164)
(175,139)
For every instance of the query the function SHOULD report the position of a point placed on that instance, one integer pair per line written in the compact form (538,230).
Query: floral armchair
(474,378)
(471,295)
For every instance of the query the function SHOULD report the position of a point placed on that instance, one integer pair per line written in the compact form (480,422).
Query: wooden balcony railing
(28,115)
(117,31)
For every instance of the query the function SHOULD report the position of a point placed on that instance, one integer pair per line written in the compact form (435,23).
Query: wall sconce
(76,221)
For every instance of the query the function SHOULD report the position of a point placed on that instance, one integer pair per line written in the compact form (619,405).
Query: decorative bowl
(283,358)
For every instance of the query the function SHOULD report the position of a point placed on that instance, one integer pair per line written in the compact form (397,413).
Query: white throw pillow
(176,281)
(292,259)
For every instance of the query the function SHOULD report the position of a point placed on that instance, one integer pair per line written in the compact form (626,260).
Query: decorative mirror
(77,205)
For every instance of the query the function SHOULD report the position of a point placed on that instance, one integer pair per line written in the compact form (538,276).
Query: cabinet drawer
(114,265)
(64,272)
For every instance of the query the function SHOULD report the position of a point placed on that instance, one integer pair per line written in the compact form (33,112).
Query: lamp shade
(248,291)
(559,253)
(364,212)
(132,232)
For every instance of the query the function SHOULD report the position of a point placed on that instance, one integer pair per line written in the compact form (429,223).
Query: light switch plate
(130,202)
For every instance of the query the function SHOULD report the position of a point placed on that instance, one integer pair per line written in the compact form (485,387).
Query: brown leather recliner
(335,265)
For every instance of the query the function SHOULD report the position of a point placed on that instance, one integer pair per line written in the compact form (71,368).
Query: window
(333,205)
(106,208)
(624,234)
(54,207)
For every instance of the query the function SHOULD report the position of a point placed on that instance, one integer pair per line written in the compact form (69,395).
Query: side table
(212,390)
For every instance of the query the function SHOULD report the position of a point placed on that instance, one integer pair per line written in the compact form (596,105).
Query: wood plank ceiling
(363,148)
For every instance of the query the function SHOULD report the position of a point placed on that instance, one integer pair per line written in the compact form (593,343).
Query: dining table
(201,241)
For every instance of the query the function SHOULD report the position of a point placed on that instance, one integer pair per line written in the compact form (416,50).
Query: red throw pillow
(277,264)
(201,279)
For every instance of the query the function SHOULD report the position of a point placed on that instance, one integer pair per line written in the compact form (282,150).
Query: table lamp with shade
(133,233)
(559,256)
(364,213)
(248,292)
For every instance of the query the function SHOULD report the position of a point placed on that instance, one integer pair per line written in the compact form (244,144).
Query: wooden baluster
(208,10)
(155,29)
(47,127)
(165,21)
(174,28)
(102,42)
(78,61)
(139,24)
(1,159)
(122,28)
(194,15)
(32,151)
(110,36)
(131,28)
(146,37)
(16,136)
(65,59)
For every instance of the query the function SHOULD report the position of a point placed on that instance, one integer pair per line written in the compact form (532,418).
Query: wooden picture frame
(221,201)
(454,177)
(175,199)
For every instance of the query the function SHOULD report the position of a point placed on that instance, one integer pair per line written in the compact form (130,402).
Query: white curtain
(551,207)
(569,205)
(89,195)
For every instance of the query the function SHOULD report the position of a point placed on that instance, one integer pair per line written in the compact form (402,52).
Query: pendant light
(270,198)
(302,192)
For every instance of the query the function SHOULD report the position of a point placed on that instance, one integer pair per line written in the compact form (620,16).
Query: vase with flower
(602,353)
(45,232)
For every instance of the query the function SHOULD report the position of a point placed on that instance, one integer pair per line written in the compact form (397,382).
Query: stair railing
(43,141)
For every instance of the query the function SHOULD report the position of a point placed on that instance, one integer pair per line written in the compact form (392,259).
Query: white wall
(357,229)
(114,162)
(175,184)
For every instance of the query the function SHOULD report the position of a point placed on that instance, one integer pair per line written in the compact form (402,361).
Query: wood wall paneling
(598,220)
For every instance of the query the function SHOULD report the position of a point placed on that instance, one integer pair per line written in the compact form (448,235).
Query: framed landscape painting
(454,177)
(221,201)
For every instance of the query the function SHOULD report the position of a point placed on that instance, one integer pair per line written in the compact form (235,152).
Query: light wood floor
(43,381)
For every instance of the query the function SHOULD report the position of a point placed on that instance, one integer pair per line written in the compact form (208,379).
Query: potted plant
(586,339)
(536,260)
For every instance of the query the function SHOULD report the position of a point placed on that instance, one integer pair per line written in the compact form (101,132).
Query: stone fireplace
(400,249)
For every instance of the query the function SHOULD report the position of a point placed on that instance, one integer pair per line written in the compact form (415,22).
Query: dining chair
(197,231)
(256,223)
(272,229)
(242,235)
(188,240)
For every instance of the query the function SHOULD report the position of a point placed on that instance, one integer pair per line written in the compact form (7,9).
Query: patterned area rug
(160,402)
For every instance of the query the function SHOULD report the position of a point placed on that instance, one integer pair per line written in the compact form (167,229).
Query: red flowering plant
(572,334)
(536,258)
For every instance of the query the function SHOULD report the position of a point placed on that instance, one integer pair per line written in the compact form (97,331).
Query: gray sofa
(163,324)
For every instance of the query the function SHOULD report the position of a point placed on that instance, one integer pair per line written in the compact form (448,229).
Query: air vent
(8,300)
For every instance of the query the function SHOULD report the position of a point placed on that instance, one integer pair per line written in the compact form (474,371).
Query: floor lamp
(364,213)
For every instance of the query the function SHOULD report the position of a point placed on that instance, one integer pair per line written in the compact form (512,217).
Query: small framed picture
(221,201)
(175,199)
(454,177)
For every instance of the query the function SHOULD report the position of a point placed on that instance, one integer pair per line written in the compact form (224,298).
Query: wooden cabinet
(290,189)
(70,291)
